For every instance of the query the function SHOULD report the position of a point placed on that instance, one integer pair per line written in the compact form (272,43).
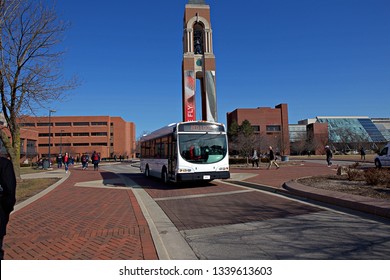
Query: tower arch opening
(198,38)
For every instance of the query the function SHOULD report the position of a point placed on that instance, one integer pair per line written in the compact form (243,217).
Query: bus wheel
(147,172)
(164,176)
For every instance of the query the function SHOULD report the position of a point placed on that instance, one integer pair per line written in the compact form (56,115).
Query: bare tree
(30,75)
(299,145)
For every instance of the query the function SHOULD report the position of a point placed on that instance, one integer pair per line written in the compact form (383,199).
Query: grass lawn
(29,187)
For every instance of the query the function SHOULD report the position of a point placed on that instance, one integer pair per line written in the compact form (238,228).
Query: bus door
(172,157)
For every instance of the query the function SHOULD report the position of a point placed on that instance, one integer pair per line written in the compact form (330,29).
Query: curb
(356,202)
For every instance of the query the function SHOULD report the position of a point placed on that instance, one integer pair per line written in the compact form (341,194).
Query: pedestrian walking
(7,197)
(66,162)
(59,161)
(255,159)
(329,156)
(362,154)
(272,159)
(95,160)
(84,161)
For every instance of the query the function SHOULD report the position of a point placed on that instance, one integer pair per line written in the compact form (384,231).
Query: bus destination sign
(200,127)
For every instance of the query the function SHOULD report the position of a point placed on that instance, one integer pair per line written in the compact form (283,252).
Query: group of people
(95,160)
(67,160)
(271,157)
(329,155)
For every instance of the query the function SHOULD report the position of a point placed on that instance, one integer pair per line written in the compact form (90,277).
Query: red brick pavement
(80,223)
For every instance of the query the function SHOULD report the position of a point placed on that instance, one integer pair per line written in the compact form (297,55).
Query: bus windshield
(202,148)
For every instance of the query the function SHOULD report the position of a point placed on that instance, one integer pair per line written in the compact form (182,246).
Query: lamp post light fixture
(50,111)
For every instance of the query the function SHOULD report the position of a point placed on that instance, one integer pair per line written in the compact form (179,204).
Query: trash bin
(284,158)
(45,163)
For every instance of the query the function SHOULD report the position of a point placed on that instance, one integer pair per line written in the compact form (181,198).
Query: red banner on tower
(189,96)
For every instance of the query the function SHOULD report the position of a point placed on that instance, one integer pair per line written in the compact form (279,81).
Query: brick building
(28,144)
(271,124)
(109,136)
(318,137)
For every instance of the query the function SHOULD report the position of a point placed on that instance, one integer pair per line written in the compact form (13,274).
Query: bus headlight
(223,168)
(184,170)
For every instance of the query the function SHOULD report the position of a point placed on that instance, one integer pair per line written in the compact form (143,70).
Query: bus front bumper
(202,176)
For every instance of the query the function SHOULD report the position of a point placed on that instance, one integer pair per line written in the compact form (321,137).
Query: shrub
(371,177)
(353,174)
(374,177)
(237,161)
(355,165)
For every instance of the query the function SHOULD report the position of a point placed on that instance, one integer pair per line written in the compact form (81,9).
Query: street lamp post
(61,141)
(50,111)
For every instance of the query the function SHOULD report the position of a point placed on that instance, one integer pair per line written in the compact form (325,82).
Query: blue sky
(321,57)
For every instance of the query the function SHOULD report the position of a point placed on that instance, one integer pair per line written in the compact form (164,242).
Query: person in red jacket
(66,162)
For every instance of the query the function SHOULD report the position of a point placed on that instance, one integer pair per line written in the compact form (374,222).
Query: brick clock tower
(198,62)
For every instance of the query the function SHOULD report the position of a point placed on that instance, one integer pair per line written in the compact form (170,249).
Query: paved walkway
(91,215)
(81,223)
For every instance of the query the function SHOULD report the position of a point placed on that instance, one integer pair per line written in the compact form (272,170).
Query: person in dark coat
(362,154)
(329,156)
(95,160)
(272,159)
(255,159)
(7,197)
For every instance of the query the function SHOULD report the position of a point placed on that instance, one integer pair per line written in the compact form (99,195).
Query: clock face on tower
(199,62)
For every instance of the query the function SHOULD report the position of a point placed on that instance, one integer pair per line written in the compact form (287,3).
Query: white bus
(186,151)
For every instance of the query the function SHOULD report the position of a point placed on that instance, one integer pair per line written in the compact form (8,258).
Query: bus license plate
(206,177)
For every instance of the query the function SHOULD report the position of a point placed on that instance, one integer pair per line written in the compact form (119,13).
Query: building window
(45,135)
(99,144)
(256,128)
(99,123)
(98,133)
(81,124)
(63,123)
(44,124)
(63,134)
(273,128)
(80,133)
(27,124)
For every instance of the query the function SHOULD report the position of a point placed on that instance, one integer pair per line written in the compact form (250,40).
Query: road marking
(202,195)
